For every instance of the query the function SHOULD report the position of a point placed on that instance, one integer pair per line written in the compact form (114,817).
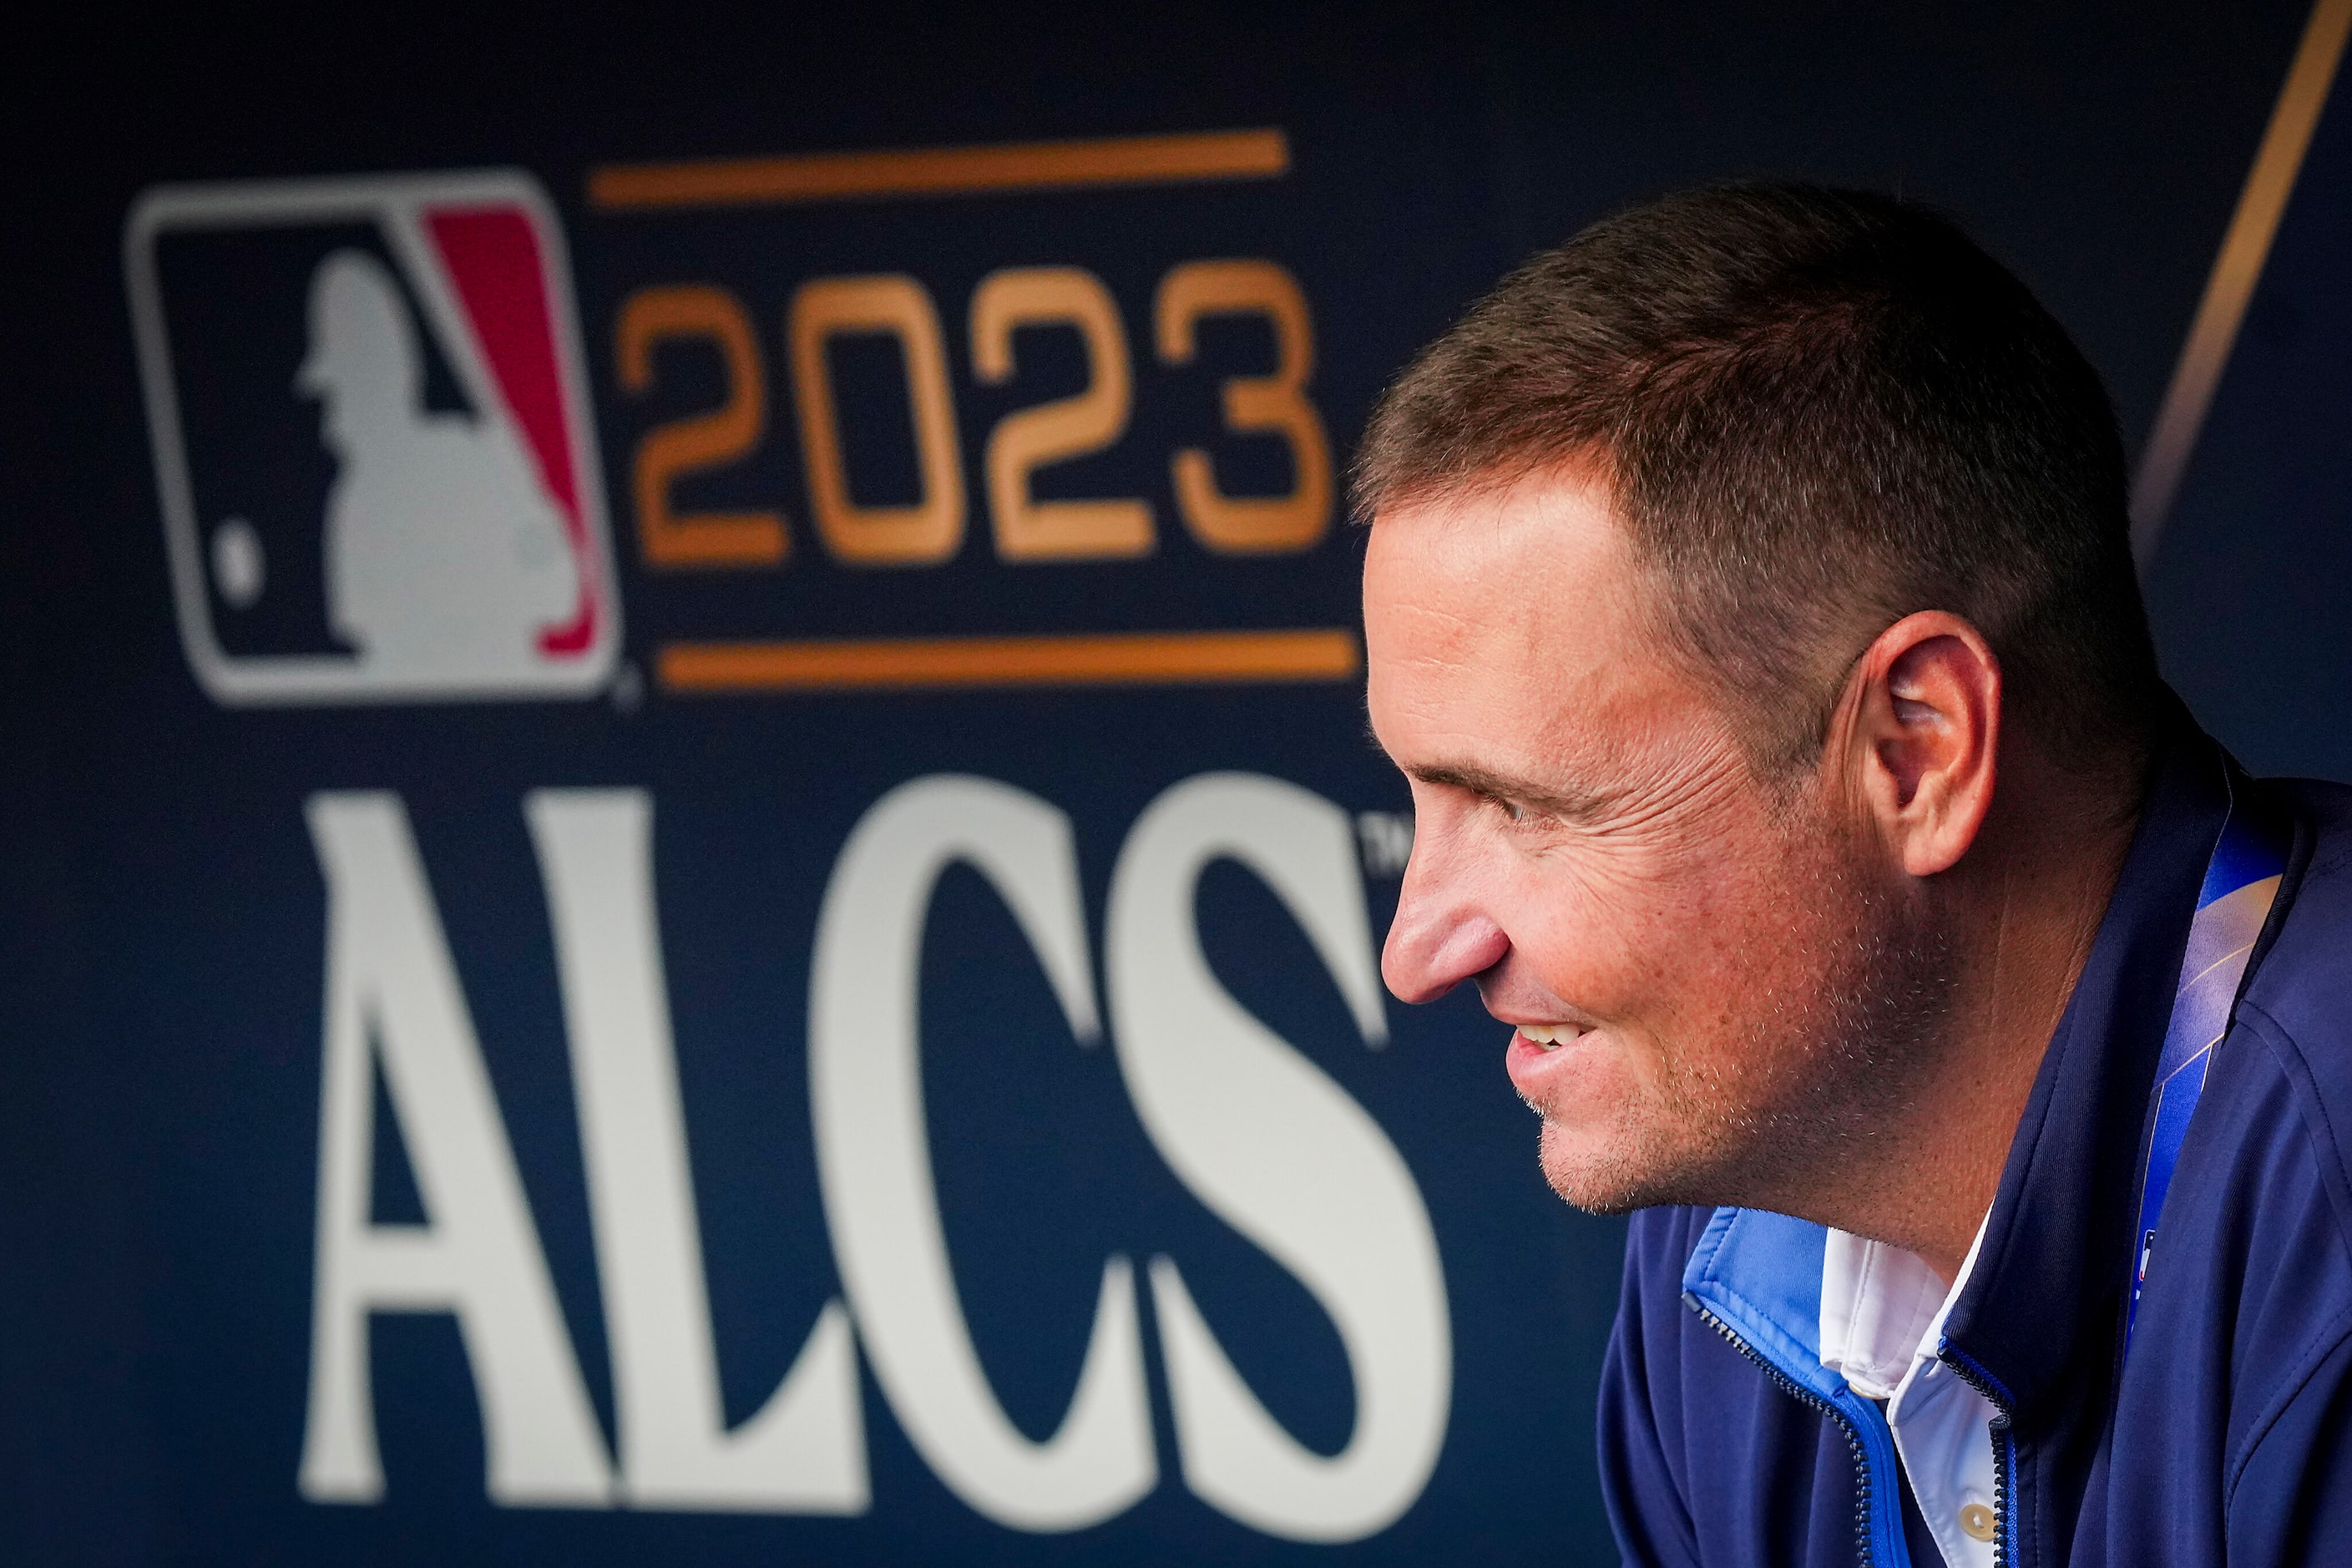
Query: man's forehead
(1506,633)
(1532,582)
(1559,517)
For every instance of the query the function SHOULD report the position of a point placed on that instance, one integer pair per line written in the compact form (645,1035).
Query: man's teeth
(1550,1037)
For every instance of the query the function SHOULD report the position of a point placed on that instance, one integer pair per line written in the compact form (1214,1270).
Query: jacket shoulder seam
(2328,1151)
(2322,1345)
(2330,867)
(2318,1129)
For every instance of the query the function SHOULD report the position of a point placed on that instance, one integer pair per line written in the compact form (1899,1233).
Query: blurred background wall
(687,864)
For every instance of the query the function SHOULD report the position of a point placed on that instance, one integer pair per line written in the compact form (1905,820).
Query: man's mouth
(1551,1036)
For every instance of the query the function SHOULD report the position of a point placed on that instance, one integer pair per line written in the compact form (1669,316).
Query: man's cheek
(1591,960)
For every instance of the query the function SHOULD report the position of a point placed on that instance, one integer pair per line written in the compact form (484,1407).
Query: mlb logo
(372,439)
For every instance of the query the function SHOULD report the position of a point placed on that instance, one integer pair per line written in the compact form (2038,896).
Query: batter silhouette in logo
(443,551)
(337,531)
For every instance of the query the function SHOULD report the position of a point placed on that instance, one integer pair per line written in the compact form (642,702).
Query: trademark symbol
(1387,840)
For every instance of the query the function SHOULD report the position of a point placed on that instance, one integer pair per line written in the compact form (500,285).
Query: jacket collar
(1758,1276)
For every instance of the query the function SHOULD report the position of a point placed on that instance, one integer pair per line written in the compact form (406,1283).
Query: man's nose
(1440,936)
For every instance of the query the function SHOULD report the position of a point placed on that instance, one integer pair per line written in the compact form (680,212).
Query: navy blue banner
(689,866)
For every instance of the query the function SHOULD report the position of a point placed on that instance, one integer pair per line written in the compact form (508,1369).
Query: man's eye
(1512,810)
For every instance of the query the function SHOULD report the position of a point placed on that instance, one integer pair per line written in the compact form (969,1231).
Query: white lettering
(874,1157)
(393,994)
(804,1452)
(1282,1154)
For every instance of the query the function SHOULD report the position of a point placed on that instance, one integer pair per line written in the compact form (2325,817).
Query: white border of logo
(393,201)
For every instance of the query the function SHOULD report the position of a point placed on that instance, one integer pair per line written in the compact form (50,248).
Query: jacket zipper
(1804,1395)
(2004,1455)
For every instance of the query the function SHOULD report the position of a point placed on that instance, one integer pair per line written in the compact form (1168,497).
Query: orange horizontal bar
(942,171)
(1125,659)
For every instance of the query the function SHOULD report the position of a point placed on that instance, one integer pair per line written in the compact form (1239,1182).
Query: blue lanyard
(2241,880)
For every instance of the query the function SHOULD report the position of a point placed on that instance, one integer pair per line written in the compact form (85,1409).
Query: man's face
(1717,983)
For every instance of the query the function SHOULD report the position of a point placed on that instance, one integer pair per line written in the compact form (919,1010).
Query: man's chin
(1608,1172)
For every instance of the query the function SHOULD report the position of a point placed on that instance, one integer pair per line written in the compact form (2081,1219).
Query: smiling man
(1748,601)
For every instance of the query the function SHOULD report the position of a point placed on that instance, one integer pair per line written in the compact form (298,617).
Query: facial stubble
(1833,1049)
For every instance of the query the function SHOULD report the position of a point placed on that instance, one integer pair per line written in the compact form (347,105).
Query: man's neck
(2026,907)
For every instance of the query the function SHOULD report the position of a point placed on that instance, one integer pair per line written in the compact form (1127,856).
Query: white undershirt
(1882,1312)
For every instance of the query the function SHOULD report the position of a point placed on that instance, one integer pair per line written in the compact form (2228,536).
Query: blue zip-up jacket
(2224,1438)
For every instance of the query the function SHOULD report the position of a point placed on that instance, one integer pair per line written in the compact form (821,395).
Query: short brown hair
(1819,411)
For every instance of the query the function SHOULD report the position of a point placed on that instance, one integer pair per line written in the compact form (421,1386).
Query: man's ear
(1919,730)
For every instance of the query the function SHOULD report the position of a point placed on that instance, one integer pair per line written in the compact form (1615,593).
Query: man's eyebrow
(1574,806)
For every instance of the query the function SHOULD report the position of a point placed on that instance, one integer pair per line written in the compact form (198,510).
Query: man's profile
(443,552)
(1749,599)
